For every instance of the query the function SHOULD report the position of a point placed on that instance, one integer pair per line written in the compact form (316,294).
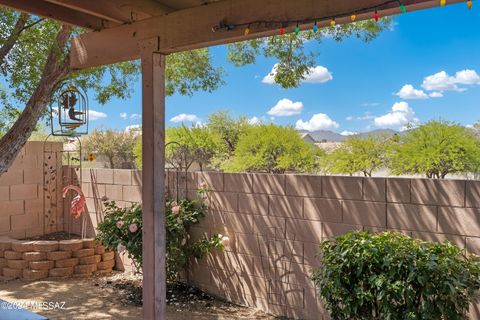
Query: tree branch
(13,37)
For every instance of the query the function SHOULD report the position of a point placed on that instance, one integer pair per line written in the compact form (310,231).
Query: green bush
(392,276)
(121,230)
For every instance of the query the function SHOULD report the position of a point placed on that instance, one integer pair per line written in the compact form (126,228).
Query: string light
(402,7)
(315,27)
(353,17)
(469,4)
(247,31)
(297,29)
(332,23)
(376,15)
(443,3)
(282,30)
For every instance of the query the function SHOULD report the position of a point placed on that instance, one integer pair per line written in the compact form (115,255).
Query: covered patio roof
(122,30)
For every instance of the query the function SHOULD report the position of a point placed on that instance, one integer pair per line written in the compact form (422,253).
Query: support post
(153,181)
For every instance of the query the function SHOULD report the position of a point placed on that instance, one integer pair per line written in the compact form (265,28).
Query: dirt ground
(104,298)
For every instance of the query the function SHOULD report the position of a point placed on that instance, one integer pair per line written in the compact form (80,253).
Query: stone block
(304,230)
(412,217)
(364,213)
(106,265)
(33,275)
(12,273)
(4,193)
(83,253)
(398,190)
(268,183)
(253,204)
(58,255)
(350,188)
(89,243)
(122,177)
(237,182)
(108,256)
(329,210)
(374,189)
(269,226)
(473,194)
(331,230)
(3,263)
(438,192)
(223,201)
(41,265)
(45,246)
(85,269)
(17,264)
(213,180)
(103,176)
(5,244)
(283,206)
(460,221)
(114,192)
(99,249)
(13,207)
(65,263)
(473,245)
(61,272)
(303,185)
(13,255)
(24,192)
(132,193)
(458,241)
(70,245)
(95,259)
(34,256)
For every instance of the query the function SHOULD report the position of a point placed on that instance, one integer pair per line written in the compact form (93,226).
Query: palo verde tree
(358,154)
(34,58)
(436,149)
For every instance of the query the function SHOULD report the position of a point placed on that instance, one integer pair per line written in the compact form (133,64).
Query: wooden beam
(153,181)
(56,12)
(192,28)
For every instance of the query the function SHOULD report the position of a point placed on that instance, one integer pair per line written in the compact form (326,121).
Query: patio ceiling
(117,27)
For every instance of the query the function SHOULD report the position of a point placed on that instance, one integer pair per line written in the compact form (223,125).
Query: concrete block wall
(276,222)
(21,193)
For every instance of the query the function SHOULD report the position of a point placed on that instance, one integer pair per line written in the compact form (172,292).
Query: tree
(357,154)
(116,146)
(436,149)
(34,58)
(228,128)
(273,149)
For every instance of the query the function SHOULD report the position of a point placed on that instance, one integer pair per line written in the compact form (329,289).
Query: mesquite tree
(34,58)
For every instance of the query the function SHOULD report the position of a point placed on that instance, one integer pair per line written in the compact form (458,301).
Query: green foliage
(187,145)
(116,146)
(228,128)
(391,276)
(116,233)
(273,149)
(436,149)
(294,63)
(137,152)
(357,154)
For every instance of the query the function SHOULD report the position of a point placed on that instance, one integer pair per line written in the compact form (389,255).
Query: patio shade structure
(122,30)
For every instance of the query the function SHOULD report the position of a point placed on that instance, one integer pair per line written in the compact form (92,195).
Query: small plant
(392,276)
(121,230)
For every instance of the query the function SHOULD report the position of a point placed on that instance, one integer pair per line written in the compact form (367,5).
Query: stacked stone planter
(36,260)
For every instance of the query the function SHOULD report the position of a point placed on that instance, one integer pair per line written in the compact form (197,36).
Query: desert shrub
(392,276)
(121,230)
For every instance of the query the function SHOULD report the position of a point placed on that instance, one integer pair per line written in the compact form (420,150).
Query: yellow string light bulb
(332,22)
(443,3)
(353,17)
(247,31)
(469,4)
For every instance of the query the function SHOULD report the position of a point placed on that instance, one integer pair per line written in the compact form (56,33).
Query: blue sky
(435,51)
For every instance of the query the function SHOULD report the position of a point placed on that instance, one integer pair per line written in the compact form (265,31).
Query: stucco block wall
(276,223)
(21,193)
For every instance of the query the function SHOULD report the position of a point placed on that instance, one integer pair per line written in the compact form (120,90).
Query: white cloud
(436,94)
(133,127)
(95,115)
(285,108)
(318,74)
(185,118)
(400,116)
(442,81)
(254,121)
(319,121)
(370,104)
(123,115)
(349,118)
(348,133)
(135,116)
(366,116)
(409,92)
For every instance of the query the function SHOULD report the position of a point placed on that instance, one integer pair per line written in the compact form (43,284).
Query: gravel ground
(119,297)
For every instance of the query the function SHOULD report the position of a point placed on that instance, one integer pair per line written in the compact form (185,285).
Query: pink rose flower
(120,224)
(133,228)
(225,241)
(175,209)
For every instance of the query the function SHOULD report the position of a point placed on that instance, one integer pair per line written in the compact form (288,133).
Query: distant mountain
(330,136)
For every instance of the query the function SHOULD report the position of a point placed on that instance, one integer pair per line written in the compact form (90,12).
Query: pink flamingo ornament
(77,206)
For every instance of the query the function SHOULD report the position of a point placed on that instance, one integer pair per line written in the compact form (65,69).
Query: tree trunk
(13,37)
(56,68)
